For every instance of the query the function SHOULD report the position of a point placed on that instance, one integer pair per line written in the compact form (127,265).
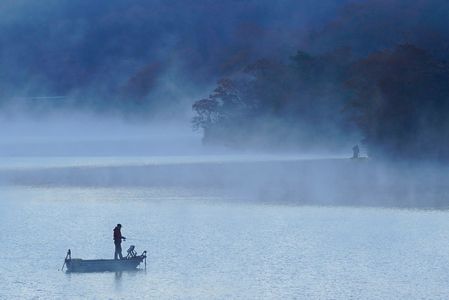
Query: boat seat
(131,252)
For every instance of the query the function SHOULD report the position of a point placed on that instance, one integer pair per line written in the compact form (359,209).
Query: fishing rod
(139,240)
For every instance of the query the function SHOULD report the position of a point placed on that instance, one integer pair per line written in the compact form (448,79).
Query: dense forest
(398,99)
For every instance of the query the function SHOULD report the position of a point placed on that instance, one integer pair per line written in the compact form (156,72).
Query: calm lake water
(205,242)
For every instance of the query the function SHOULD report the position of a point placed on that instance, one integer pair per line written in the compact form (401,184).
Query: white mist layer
(94,135)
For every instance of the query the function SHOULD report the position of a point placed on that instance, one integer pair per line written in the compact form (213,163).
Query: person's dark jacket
(117,235)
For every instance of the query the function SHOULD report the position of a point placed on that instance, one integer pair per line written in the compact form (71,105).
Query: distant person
(118,241)
(355,151)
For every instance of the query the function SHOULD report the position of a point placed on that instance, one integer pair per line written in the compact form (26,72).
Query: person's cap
(119,225)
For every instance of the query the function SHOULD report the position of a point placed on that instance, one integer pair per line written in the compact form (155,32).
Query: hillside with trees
(397,99)
(270,102)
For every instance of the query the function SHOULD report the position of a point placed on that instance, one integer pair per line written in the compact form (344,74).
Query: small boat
(130,262)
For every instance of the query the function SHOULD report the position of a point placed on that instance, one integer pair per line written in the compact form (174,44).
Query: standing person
(118,241)
(355,151)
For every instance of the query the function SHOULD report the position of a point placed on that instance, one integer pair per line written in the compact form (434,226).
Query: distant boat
(130,262)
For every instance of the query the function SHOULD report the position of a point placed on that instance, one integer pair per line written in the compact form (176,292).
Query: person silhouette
(118,241)
(355,151)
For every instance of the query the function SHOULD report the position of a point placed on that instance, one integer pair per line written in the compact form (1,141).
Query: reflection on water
(118,281)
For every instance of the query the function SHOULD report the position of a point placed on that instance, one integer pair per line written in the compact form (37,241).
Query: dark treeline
(398,99)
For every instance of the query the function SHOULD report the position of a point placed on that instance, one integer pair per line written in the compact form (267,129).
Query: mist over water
(85,151)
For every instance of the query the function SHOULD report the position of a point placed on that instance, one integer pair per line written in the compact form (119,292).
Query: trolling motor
(67,258)
(144,255)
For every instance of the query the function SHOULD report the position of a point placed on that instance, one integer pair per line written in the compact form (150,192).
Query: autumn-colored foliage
(397,98)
